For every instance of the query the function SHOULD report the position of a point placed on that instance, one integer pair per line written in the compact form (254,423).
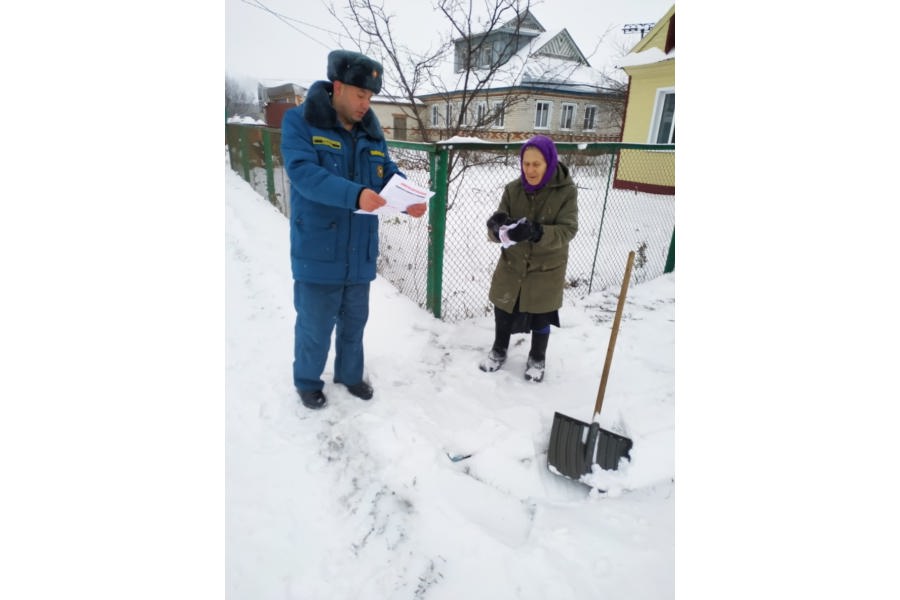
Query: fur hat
(356,69)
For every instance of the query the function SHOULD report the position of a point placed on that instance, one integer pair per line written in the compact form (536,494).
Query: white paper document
(400,193)
(504,233)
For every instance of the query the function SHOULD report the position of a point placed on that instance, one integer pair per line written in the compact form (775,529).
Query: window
(500,52)
(449,113)
(590,116)
(461,57)
(399,127)
(481,114)
(542,115)
(464,113)
(435,116)
(486,56)
(567,116)
(662,127)
(498,115)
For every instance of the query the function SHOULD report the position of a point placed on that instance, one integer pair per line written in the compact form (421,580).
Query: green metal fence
(444,262)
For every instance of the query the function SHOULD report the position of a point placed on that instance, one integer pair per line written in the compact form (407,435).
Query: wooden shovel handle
(614,334)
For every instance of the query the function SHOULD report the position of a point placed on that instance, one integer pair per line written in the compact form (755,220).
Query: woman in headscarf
(536,219)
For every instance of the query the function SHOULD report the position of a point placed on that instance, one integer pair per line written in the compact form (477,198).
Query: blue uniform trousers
(321,307)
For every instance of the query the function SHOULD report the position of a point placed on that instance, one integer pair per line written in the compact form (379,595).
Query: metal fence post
(437,229)
(670,259)
(609,177)
(229,146)
(270,174)
(245,153)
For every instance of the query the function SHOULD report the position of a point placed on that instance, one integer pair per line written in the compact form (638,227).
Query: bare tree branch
(485,45)
(238,100)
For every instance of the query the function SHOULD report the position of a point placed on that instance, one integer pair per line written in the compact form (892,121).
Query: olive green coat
(535,272)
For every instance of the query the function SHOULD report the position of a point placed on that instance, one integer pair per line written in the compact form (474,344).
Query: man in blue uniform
(337,160)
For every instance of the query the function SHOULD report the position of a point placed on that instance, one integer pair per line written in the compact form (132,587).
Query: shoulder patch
(324,141)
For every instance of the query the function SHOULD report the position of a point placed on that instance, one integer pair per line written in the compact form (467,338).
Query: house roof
(649,56)
(264,93)
(648,50)
(549,60)
(391,99)
(651,36)
(284,88)
(528,26)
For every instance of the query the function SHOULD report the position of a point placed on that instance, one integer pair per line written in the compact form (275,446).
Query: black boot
(361,390)
(534,368)
(312,398)
(497,356)
(502,330)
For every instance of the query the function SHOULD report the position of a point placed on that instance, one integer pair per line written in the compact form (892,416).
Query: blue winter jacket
(329,167)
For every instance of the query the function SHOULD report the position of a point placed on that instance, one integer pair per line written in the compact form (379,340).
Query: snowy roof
(649,56)
(526,24)
(244,120)
(283,88)
(536,64)
(391,99)
(648,50)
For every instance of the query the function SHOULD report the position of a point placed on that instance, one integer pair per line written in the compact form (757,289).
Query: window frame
(658,115)
(435,115)
(562,115)
(549,119)
(499,121)
(481,113)
(593,110)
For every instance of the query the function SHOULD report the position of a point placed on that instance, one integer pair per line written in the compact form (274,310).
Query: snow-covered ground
(360,500)
(112,318)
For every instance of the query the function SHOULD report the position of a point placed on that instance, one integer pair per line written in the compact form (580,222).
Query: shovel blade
(575,446)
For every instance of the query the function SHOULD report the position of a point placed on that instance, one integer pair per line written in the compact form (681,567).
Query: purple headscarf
(548,149)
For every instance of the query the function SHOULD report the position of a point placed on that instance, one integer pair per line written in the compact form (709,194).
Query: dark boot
(502,330)
(361,390)
(312,398)
(493,361)
(497,356)
(534,368)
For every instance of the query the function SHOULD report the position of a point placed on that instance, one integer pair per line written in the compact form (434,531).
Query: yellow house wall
(657,168)
(645,82)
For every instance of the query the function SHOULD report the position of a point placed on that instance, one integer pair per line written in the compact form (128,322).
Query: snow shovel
(576,446)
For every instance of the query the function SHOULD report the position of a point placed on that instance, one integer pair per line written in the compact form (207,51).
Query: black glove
(496,220)
(526,231)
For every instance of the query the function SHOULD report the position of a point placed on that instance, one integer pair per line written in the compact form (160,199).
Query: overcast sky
(261,46)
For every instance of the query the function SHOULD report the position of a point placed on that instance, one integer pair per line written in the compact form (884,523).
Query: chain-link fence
(255,153)
(444,262)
